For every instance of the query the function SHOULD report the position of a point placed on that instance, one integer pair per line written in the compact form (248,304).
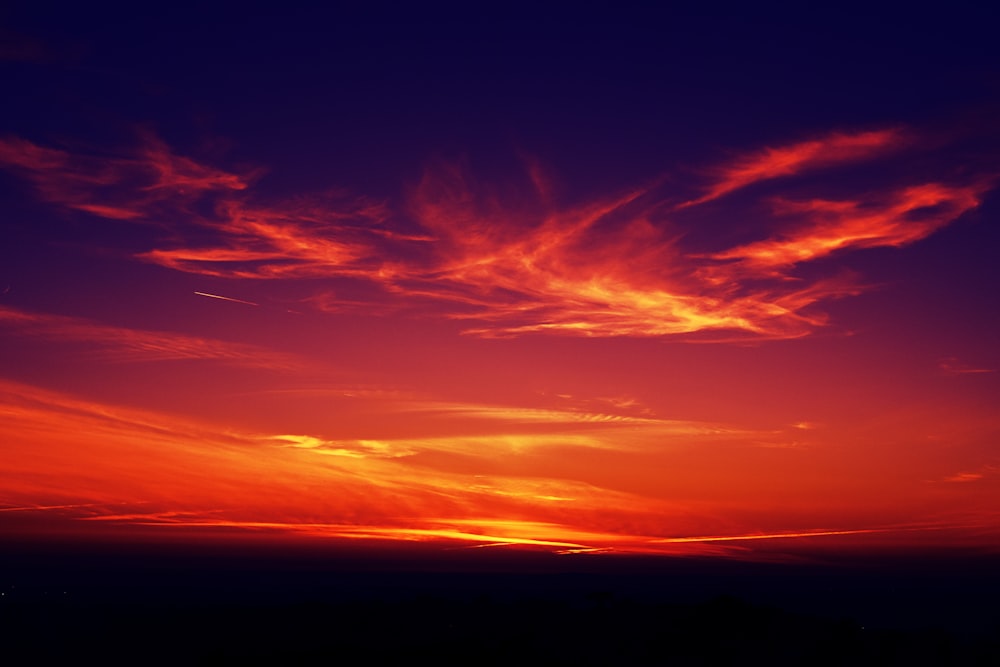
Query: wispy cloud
(89,460)
(75,466)
(127,187)
(125,344)
(512,265)
(976,475)
(776,162)
(323,237)
(953,366)
(449,533)
(493,433)
(964,477)
(888,219)
(605,269)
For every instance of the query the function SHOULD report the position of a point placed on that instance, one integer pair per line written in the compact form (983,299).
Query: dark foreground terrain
(139,609)
(598,631)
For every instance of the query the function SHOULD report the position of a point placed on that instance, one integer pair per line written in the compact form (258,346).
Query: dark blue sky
(362,97)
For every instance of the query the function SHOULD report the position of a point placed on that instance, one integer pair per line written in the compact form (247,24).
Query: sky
(610,281)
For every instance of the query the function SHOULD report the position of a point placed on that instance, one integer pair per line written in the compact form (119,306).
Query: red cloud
(605,269)
(299,239)
(117,187)
(772,163)
(512,265)
(81,467)
(892,219)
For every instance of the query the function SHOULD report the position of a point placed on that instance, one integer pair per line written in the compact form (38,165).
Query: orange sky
(777,340)
(476,369)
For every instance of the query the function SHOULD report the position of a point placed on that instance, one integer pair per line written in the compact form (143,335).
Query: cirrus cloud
(616,265)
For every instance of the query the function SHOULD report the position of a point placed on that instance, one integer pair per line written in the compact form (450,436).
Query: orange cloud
(330,237)
(514,265)
(314,237)
(83,460)
(771,163)
(86,459)
(890,220)
(79,467)
(606,269)
(116,187)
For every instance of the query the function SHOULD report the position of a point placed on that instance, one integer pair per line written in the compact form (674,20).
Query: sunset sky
(625,282)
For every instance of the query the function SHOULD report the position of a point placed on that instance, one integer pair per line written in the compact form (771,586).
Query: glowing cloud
(116,187)
(369,318)
(81,460)
(771,163)
(573,482)
(606,269)
(321,238)
(516,265)
(892,220)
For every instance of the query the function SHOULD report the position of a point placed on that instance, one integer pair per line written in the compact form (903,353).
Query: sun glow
(438,368)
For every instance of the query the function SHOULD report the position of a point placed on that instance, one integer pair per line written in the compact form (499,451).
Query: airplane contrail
(226,298)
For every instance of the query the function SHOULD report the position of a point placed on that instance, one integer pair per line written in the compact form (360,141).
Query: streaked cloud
(74,466)
(521,262)
(322,237)
(776,162)
(90,460)
(125,344)
(964,477)
(121,187)
(983,472)
(605,269)
(884,220)
(954,366)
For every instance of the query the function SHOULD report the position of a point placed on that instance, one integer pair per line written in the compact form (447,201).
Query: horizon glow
(755,350)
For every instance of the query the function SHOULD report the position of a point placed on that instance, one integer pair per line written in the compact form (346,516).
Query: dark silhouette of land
(227,608)
(596,629)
